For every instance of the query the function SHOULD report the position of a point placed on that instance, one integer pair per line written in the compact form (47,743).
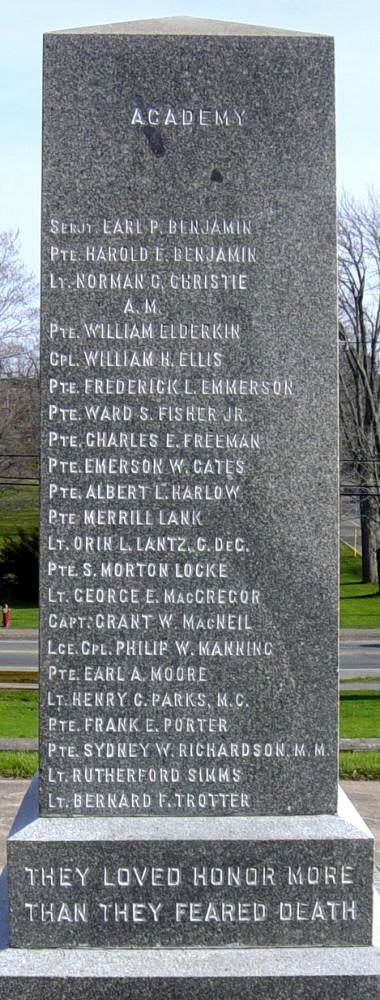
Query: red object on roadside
(6,616)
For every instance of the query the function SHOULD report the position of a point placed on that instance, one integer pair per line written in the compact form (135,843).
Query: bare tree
(18,362)
(359,332)
(18,310)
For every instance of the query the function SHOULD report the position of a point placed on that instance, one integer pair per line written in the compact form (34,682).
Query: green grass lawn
(23,616)
(360,766)
(359,602)
(18,765)
(18,714)
(359,714)
(19,509)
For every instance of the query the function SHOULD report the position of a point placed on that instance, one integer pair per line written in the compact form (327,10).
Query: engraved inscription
(160,644)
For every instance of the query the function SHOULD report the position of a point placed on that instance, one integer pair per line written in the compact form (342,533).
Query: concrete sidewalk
(12,791)
(344,633)
(7,634)
(365,796)
(353,634)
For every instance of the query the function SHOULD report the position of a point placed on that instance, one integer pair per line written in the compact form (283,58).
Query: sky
(355,24)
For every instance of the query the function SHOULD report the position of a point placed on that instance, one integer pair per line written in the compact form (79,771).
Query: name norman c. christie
(188,116)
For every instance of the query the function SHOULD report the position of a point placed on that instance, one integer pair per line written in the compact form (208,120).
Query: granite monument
(184,836)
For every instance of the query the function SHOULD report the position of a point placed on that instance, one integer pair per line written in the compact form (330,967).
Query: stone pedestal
(121,912)
(301,973)
(185,838)
(202,882)
(287,974)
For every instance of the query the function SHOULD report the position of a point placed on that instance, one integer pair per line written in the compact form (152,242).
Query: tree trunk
(368,520)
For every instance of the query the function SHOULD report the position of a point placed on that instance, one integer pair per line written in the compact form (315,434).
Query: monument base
(250,974)
(199,882)
(187,974)
(195,973)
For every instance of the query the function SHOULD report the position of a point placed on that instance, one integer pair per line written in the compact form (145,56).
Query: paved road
(19,654)
(358,656)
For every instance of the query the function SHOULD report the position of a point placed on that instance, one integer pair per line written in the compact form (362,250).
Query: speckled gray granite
(189,460)
(195,882)
(180,26)
(189,501)
(183,975)
(283,974)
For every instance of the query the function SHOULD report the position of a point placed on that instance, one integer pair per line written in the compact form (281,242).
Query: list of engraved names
(156,628)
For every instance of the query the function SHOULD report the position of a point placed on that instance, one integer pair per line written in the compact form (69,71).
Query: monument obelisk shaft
(189,459)
(188,784)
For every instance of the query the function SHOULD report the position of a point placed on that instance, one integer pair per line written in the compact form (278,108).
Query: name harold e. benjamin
(188,116)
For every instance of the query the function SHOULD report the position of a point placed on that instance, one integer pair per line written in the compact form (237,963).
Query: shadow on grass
(359,597)
(360,696)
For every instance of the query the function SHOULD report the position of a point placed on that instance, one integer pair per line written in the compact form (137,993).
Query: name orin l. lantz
(188,116)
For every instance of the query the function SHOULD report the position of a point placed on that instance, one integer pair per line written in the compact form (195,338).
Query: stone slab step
(361,745)
(18,744)
(20,686)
